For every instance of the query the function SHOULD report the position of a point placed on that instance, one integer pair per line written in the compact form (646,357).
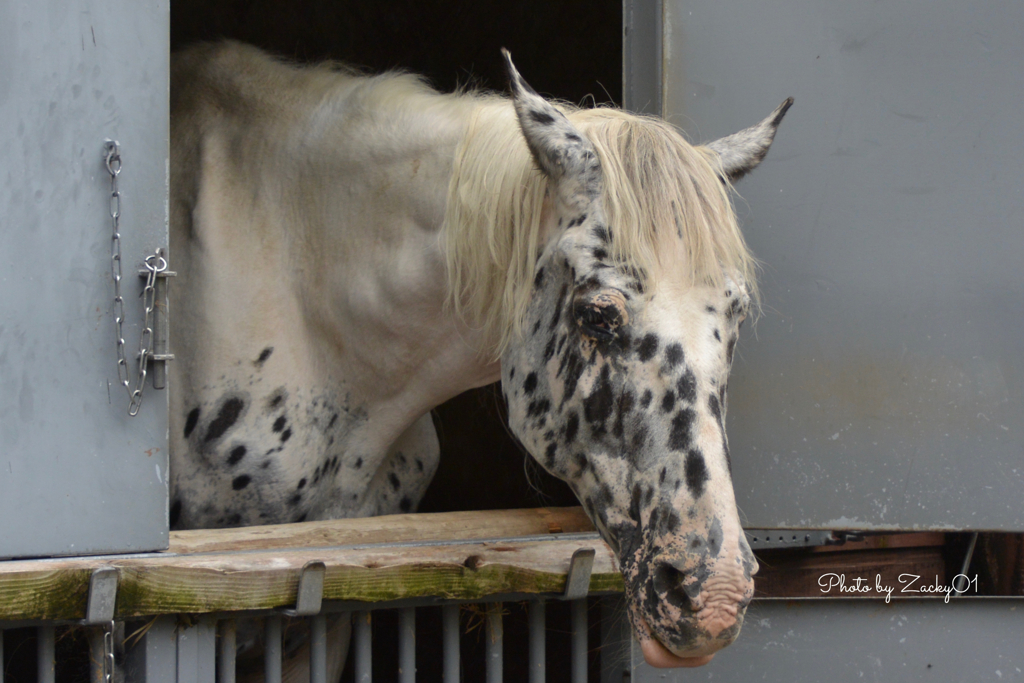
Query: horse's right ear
(564,154)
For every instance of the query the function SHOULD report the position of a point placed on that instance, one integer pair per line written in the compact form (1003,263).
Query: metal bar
(160,332)
(495,637)
(537,644)
(318,649)
(577,580)
(96,655)
(227,646)
(45,653)
(310,595)
(450,637)
(99,605)
(579,640)
(272,650)
(364,647)
(407,645)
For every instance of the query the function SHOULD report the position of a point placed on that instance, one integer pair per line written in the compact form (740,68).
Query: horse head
(617,382)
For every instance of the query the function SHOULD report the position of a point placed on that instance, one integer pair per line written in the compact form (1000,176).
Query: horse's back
(305,205)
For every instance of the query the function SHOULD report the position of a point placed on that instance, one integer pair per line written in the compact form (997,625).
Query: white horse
(353,251)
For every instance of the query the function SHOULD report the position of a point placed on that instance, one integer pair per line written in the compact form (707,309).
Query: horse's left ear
(564,154)
(742,152)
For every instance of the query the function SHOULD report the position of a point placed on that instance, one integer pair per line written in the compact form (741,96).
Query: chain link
(155,264)
(108,652)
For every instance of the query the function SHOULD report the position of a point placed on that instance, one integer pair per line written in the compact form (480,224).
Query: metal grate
(171,651)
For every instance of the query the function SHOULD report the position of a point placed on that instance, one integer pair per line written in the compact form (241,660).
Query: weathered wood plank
(443,526)
(268,578)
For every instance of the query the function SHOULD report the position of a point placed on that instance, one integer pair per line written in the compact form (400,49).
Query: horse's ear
(564,154)
(742,152)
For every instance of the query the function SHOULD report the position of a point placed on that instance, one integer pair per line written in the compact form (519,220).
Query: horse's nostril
(671,584)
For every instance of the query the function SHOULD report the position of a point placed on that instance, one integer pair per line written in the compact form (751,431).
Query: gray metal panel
(883,385)
(77,475)
(641,55)
(866,640)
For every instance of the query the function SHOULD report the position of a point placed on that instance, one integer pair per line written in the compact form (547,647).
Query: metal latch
(161,328)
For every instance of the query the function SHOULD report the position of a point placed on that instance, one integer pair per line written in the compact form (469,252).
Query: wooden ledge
(437,526)
(412,556)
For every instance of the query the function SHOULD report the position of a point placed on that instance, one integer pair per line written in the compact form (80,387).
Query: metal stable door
(78,475)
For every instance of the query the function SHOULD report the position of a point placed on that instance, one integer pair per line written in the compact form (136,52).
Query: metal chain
(108,653)
(155,264)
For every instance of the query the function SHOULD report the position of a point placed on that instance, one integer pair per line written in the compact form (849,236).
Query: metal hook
(112,155)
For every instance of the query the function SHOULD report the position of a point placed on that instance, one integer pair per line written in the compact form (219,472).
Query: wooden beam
(442,526)
(232,570)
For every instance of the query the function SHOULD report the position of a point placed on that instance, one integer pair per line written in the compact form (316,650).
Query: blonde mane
(664,199)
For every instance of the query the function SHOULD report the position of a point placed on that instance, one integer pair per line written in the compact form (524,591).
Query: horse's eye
(600,316)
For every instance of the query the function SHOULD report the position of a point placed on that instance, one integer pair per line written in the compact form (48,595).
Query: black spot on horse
(396,483)
(538,279)
(600,254)
(226,418)
(549,454)
(549,350)
(718,337)
(679,435)
(715,408)
(279,424)
(574,366)
(302,517)
(541,117)
(419,465)
(647,348)
(597,407)
(626,401)
(512,372)
(537,408)
(673,355)
(577,221)
(264,355)
(530,384)
(572,137)
(277,398)
(661,477)
(696,472)
(572,425)
(191,421)
(581,461)
(730,348)
(710,309)
(240,482)
(358,463)
(646,399)
(405,505)
(600,233)
(536,327)
(334,418)
(668,401)
(286,435)
(671,519)
(301,485)
(237,453)
(295,500)
(175,513)
(687,386)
